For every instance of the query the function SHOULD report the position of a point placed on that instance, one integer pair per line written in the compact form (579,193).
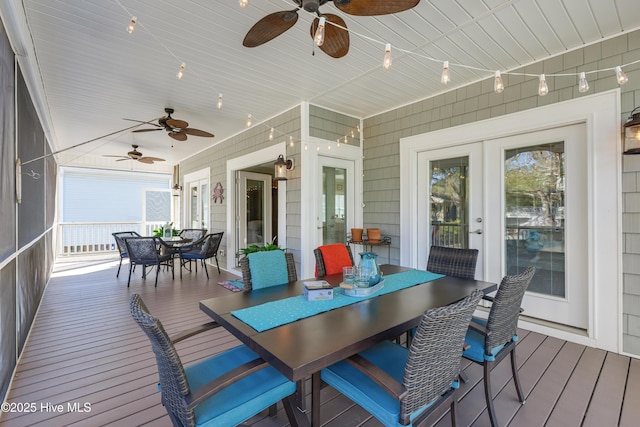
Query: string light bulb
(219,101)
(319,36)
(583,86)
(243,3)
(498,84)
(291,141)
(345,139)
(358,128)
(180,72)
(386,63)
(446,74)
(249,120)
(621,76)
(543,89)
(132,25)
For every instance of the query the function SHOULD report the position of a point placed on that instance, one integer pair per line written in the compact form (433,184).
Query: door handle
(478,231)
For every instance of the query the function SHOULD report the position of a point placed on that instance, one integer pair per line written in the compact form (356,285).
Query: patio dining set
(189,246)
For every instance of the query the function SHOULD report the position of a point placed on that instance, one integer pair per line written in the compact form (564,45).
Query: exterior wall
(253,139)
(330,125)
(477,102)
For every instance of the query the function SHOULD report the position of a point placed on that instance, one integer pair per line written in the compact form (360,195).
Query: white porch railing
(95,237)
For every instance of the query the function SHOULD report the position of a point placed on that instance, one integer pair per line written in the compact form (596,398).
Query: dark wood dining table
(302,348)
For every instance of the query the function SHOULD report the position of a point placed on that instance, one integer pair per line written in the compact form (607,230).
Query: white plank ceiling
(88,73)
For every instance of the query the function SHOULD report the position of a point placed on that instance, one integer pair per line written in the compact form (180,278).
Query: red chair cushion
(335,256)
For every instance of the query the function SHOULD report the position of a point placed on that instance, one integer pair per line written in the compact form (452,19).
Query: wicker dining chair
(193,234)
(201,250)
(288,264)
(119,237)
(146,251)
(331,258)
(222,390)
(453,261)
(403,386)
(491,340)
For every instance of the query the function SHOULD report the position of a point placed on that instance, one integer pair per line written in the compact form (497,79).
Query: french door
(198,204)
(521,200)
(337,207)
(254,209)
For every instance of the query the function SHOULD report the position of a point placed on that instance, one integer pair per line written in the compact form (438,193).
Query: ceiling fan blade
(145,130)
(375,7)
(150,160)
(336,39)
(178,136)
(270,27)
(197,132)
(178,124)
(122,160)
(115,155)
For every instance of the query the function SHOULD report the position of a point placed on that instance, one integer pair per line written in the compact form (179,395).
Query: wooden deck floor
(86,354)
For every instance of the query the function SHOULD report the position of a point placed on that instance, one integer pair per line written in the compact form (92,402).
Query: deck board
(84,347)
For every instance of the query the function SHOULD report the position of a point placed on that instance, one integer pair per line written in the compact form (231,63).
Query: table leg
(315,399)
(301,399)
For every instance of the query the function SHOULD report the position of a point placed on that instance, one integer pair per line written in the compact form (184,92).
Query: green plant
(159,232)
(255,248)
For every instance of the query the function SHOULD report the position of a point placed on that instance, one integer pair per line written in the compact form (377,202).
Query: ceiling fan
(177,129)
(136,155)
(336,39)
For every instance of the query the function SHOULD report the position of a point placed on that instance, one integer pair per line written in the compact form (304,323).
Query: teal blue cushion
(351,382)
(268,269)
(476,341)
(244,398)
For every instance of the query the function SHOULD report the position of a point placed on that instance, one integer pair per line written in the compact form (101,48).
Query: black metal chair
(491,340)
(201,250)
(407,386)
(223,390)
(453,261)
(193,234)
(337,255)
(119,237)
(147,251)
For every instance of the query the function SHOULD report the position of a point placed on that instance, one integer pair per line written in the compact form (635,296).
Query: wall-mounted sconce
(177,190)
(281,167)
(632,133)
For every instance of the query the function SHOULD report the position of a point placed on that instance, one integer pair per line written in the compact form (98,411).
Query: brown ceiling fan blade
(178,124)
(270,27)
(115,155)
(122,160)
(197,132)
(178,136)
(145,130)
(149,159)
(336,39)
(375,7)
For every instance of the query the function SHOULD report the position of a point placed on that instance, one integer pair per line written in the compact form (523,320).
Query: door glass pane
(255,212)
(204,207)
(195,223)
(334,214)
(449,193)
(535,222)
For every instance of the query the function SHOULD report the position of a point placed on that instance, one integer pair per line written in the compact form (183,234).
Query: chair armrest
(198,396)
(380,377)
(479,328)
(180,336)
(492,299)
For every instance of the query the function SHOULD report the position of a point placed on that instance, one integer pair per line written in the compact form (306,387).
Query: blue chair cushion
(351,382)
(476,340)
(239,401)
(268,268)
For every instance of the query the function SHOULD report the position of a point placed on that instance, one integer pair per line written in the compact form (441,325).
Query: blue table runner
(276,313)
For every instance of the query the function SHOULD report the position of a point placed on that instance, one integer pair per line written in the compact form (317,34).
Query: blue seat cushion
(351,382)
(268,268)
(242,399)
(476,340)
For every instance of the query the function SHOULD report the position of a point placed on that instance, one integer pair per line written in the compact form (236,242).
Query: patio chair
(147,251)
(453,261)
(268,268)
(331,258)
(201,250)
(122,247)
(407,386)
(491,340)
(194,234)
(223,390)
